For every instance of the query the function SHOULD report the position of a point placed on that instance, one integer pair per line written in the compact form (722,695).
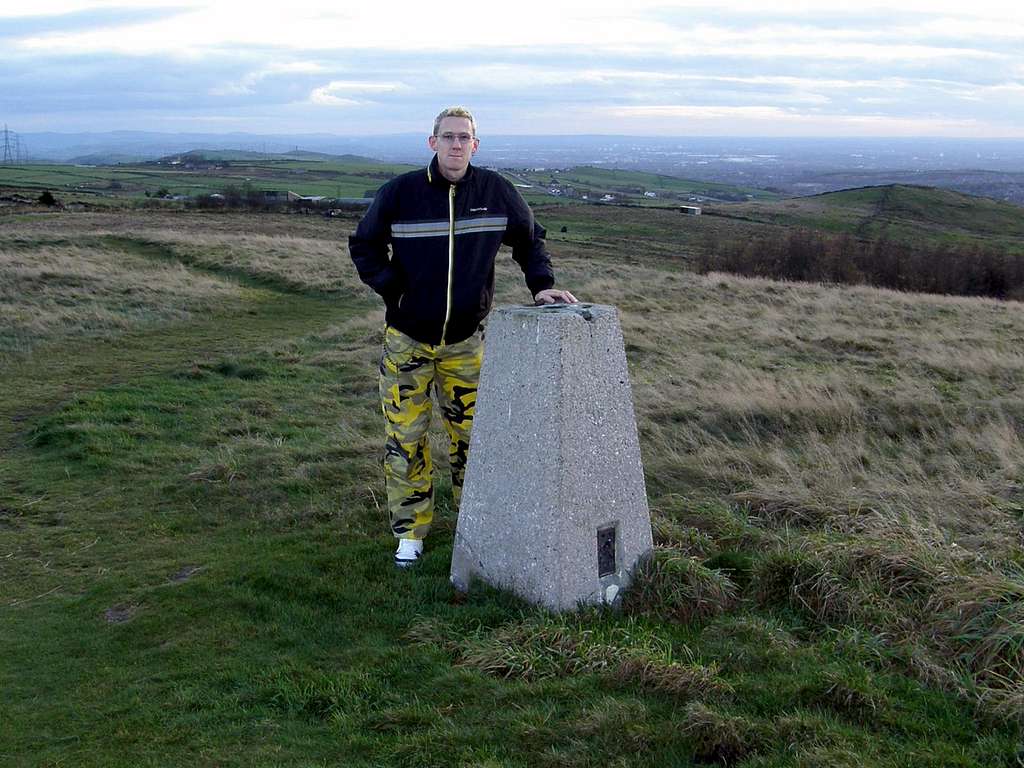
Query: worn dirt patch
(186,573)
(119,614)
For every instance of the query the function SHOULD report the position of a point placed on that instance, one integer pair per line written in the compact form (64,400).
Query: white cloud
(953,27)
(398,26)
(1013,89)
(703,112)
(689,119)
(823,50)
(535,76)
(775,65)
(596,26)
(247,84)
(329,95)
(55,7)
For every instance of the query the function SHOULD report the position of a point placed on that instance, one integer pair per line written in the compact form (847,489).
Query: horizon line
(410,134)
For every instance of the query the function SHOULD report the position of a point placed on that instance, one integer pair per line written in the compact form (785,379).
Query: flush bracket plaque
(606,550)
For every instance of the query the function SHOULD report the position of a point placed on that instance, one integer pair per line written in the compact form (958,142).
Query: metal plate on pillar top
(581,309)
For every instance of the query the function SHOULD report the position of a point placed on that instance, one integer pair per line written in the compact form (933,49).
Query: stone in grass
(554,506)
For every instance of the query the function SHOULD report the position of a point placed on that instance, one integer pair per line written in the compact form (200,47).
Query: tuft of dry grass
(803,730)
(717,737)
(955,623)
(982,619)
(848,696)
(816,756)
(751,641)
(549,647)
(780,574)
(683,680)
(1003,703)
(534,649)
(617,720)
(671,585)
(716,524)
(689,540)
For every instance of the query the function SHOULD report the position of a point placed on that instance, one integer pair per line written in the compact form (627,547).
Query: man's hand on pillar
(554,296)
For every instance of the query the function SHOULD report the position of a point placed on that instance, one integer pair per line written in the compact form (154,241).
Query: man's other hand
(554,296)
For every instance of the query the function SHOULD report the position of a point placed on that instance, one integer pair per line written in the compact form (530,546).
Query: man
(444,225)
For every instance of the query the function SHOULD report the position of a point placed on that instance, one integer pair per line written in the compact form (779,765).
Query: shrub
(807,255)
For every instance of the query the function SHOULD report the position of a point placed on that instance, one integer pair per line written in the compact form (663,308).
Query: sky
(634,67)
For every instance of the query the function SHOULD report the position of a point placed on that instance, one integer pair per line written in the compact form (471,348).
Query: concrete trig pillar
(554,506)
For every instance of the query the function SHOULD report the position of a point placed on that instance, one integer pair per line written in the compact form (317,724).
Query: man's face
(452,147)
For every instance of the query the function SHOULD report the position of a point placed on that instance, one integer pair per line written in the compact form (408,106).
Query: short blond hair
(455,112)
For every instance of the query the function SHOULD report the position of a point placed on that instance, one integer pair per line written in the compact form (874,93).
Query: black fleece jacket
(438,281)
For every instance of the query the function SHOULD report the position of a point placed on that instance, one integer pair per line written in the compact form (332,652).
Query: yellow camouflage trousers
(408,372)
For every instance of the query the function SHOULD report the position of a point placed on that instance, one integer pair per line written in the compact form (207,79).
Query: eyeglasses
(451,138)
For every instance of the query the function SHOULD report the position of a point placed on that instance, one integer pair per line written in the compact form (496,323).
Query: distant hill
(106,158)
(303,154)
(898,211)
(249,156)
(943,209)
(999,185)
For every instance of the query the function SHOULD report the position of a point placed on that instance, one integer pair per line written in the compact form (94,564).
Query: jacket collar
(434,174)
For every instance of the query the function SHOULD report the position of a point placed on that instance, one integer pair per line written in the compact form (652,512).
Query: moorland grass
(57,291)
(194,564)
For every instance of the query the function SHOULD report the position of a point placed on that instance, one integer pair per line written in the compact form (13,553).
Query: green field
(341,178)
(208,171)
(195,567)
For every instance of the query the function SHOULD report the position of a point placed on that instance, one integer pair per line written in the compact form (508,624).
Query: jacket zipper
(451,259)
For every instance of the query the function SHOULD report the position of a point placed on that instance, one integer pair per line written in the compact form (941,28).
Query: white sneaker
(408,552)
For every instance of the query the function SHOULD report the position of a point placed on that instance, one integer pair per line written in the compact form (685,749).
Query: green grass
(195,568)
